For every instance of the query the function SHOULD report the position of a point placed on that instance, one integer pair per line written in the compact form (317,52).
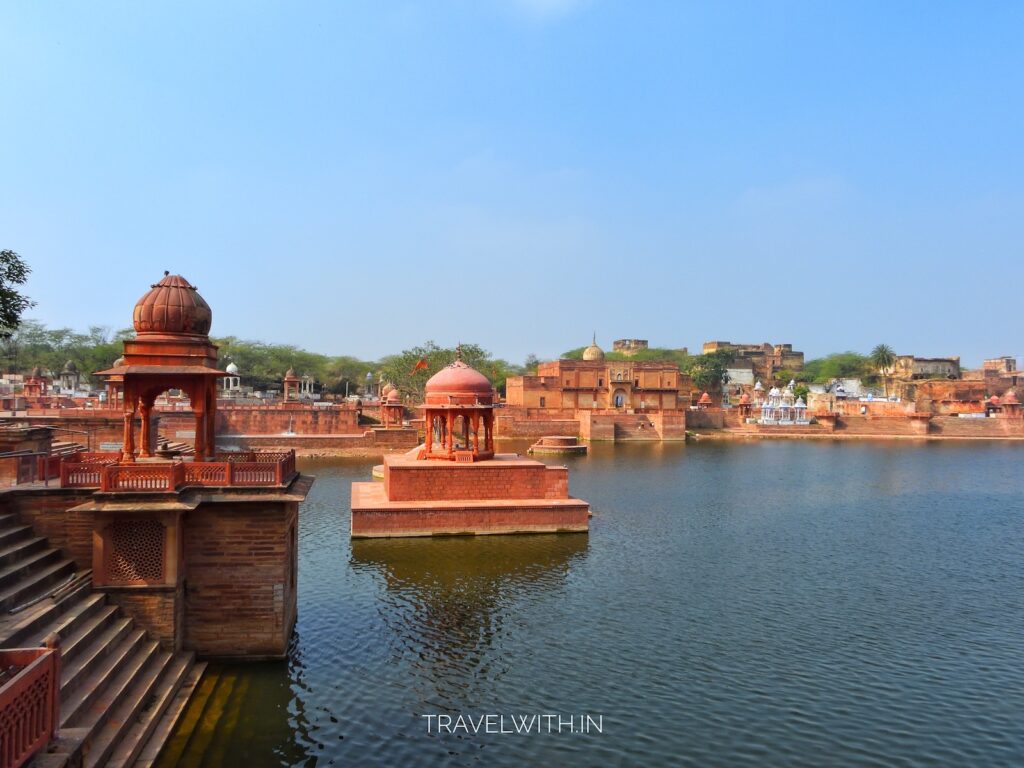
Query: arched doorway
(619,398)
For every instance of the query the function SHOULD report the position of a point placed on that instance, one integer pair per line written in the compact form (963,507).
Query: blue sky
(357,178)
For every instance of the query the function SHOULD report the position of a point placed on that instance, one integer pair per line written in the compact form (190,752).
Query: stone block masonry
(240,592)
(506,494)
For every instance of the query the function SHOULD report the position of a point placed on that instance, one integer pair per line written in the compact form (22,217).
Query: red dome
(458,383)
(393,396)
(173,306)
(744,399)
(705,399)
(994,400)
(1010,398)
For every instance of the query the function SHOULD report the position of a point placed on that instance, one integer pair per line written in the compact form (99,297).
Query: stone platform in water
(506,494)
(555,445)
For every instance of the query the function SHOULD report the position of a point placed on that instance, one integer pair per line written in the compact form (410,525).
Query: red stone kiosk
(201,551)
(455,483)
(171,350)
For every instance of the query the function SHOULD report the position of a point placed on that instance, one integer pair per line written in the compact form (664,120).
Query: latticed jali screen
(135,551)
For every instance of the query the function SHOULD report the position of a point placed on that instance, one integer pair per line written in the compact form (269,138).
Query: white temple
(783,407)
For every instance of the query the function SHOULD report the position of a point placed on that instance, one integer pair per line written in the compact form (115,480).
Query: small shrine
(392,411)
(459,403)
(783,407)
(455,482)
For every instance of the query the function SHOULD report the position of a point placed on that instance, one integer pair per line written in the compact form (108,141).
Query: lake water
(780,603)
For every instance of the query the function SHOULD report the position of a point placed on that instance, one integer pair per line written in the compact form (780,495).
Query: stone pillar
(128,447)
(145,448)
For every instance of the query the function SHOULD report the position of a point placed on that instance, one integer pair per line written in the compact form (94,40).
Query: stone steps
(33,584)
(21,549)
(204,722)
(12,533)
(121,694)
(160,702)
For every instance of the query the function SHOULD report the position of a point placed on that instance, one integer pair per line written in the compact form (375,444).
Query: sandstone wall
(240,565)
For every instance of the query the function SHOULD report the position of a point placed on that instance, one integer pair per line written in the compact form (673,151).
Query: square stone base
(374,516)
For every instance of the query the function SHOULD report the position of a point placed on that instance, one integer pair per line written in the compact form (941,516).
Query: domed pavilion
(392,411)
(455,483)
(458,403)
(593,353)
(171,350)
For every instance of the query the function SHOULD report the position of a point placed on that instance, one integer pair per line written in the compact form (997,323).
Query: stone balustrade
(243,469)
(29,703)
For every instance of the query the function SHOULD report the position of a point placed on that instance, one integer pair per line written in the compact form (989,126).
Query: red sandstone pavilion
(455,483)
(113,582)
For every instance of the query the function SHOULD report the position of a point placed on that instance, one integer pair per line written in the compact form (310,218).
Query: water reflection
(449,603)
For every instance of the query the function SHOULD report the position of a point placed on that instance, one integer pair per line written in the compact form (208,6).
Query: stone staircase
(120,692)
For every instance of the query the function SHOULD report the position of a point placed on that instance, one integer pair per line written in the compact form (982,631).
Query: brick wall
(373,442)
(878,425)
(671,425)
(240,597)
(556,483)
(453,519)
(448,481)
(158,611)
(47,511)
(953,426)
(510,427)
(712,418)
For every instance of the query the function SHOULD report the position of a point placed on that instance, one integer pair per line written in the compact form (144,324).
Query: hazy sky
(357,178)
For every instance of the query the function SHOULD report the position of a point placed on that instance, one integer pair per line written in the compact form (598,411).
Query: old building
(629,346)
(599,384)
(911,368)
(763,360)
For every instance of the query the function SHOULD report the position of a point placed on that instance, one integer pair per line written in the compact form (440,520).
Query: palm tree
(882,357)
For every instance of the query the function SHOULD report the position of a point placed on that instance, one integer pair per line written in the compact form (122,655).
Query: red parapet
(29,703)
(79,475)
(249,469)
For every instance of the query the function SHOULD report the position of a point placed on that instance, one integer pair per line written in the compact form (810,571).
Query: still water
(778,603)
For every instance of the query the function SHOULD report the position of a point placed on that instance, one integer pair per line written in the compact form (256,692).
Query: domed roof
(705,399)
(173,306)
(744,399)
(593,353)
(759,387)
(458,383)
(290,374)
(36,373)
(994,400)
(70,367)
(394,396)
(1010,398)
(232,369)
(386,389)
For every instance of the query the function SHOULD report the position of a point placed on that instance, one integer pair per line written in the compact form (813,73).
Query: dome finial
(458,351)
(167,272)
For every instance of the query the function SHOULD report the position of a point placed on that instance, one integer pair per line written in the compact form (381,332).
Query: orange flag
(420,365)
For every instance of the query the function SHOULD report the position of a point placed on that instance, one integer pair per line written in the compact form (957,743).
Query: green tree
(839,365)
(14,272)
(405,372)
(708,371)
(883,358)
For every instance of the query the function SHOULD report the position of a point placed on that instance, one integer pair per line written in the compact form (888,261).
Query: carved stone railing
(77,475)
(135,478)
(247,469)
(29,703)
